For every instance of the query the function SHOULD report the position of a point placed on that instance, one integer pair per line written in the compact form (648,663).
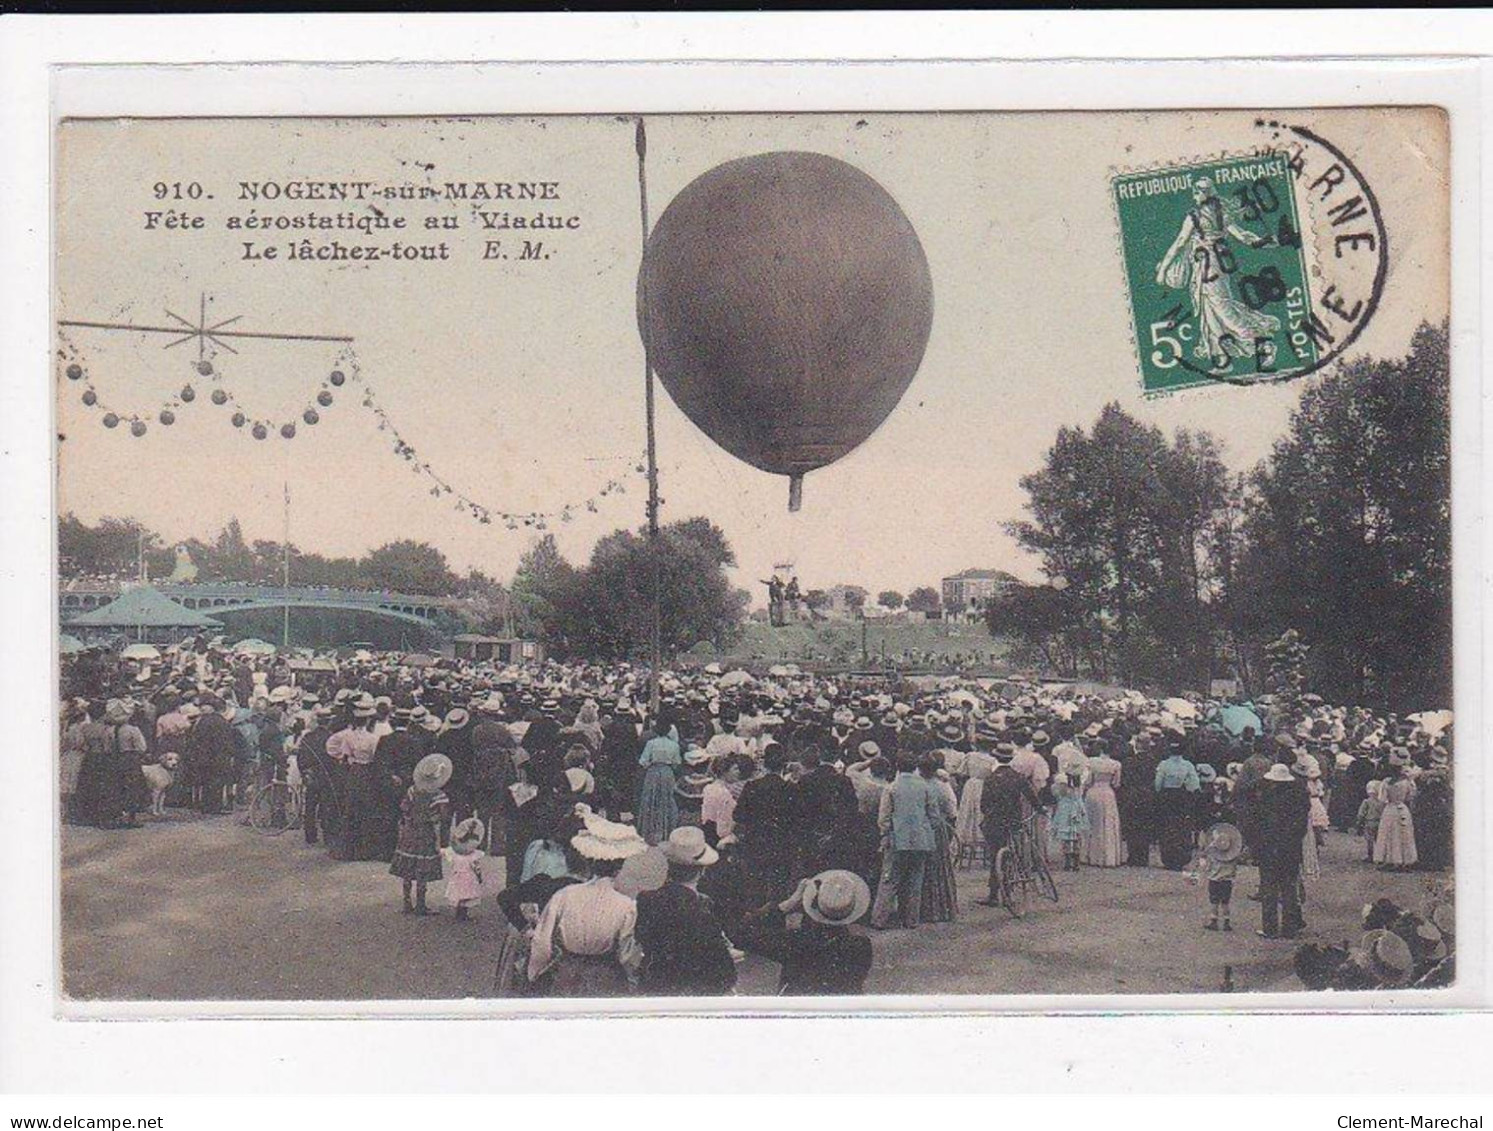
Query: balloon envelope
(786,302)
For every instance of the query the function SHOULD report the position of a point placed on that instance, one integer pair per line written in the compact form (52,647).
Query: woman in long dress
(1395,847)
(940,903)
(967,825)
(1104,847)
(658,810)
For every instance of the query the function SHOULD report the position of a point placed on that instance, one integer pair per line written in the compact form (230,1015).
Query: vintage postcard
(755,556)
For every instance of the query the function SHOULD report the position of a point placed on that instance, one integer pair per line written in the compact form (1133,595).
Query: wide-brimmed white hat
(581,781)
(1389,956)
(686,845)
(1279,772)
(836,898)
(432,772)
(608,840)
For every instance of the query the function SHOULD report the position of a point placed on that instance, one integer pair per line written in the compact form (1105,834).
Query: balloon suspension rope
(656,640)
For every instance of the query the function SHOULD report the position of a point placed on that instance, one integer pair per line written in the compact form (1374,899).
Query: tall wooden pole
(656,641)
(285,571)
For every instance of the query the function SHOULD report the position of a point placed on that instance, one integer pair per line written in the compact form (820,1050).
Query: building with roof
(143,613)
(965,593)
(499,649)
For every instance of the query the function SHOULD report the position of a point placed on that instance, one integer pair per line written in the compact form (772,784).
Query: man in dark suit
(826,811)
(1284,810)
(1006,800)
(320,778)
(684,951)
(764,818)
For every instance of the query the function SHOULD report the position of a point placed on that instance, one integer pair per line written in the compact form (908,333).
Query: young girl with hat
(464,857)
(423,814)
(1070,819)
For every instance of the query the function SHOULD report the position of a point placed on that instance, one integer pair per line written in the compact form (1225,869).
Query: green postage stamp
(1216,272)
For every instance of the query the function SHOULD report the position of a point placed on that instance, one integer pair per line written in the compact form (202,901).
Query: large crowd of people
(645,845)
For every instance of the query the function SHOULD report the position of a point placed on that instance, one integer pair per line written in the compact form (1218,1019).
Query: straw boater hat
(1430,942)
(608,840)
(1224,842)
(432,772)
(1389,956)
(836,898)
(686,845)
(457,717)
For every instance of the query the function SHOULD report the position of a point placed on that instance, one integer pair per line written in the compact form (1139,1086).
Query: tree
(1041,617)
(323,572)
(1122,519)
(229,558)
(855,598)
(1348,531)
(608,613)
(484,604)
(925,599)
(889,599)
(816,600)
(543,593)
(407,566)
(110,549)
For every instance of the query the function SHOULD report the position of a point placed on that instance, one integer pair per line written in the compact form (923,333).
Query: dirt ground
(194,908)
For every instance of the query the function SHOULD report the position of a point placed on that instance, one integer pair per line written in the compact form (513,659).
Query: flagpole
(285,569)
(656,635)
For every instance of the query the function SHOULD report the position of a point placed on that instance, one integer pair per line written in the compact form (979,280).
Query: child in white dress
(464,867)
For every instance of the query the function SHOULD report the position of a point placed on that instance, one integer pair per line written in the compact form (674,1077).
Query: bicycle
(1020,866)
(275,807)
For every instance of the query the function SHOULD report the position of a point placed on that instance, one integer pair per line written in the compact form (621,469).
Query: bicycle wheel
(1012,889)
(261,809)
(269,811)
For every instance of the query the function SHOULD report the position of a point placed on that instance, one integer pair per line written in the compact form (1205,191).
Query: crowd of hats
(332,387)
(1398,948)
(795,714)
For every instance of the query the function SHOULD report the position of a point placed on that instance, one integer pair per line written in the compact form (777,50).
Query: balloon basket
(795,493)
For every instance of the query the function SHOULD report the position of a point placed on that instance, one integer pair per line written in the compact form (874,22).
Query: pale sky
(522,382)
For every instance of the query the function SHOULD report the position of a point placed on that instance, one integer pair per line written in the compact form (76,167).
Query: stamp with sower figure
(1217,272)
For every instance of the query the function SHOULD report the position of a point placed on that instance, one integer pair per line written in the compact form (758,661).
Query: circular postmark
(1255,267)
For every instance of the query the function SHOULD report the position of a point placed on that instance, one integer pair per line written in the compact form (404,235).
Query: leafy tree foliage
(1163,566)
(925,599)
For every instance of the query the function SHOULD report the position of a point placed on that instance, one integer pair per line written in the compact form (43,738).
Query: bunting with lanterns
(340,381)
